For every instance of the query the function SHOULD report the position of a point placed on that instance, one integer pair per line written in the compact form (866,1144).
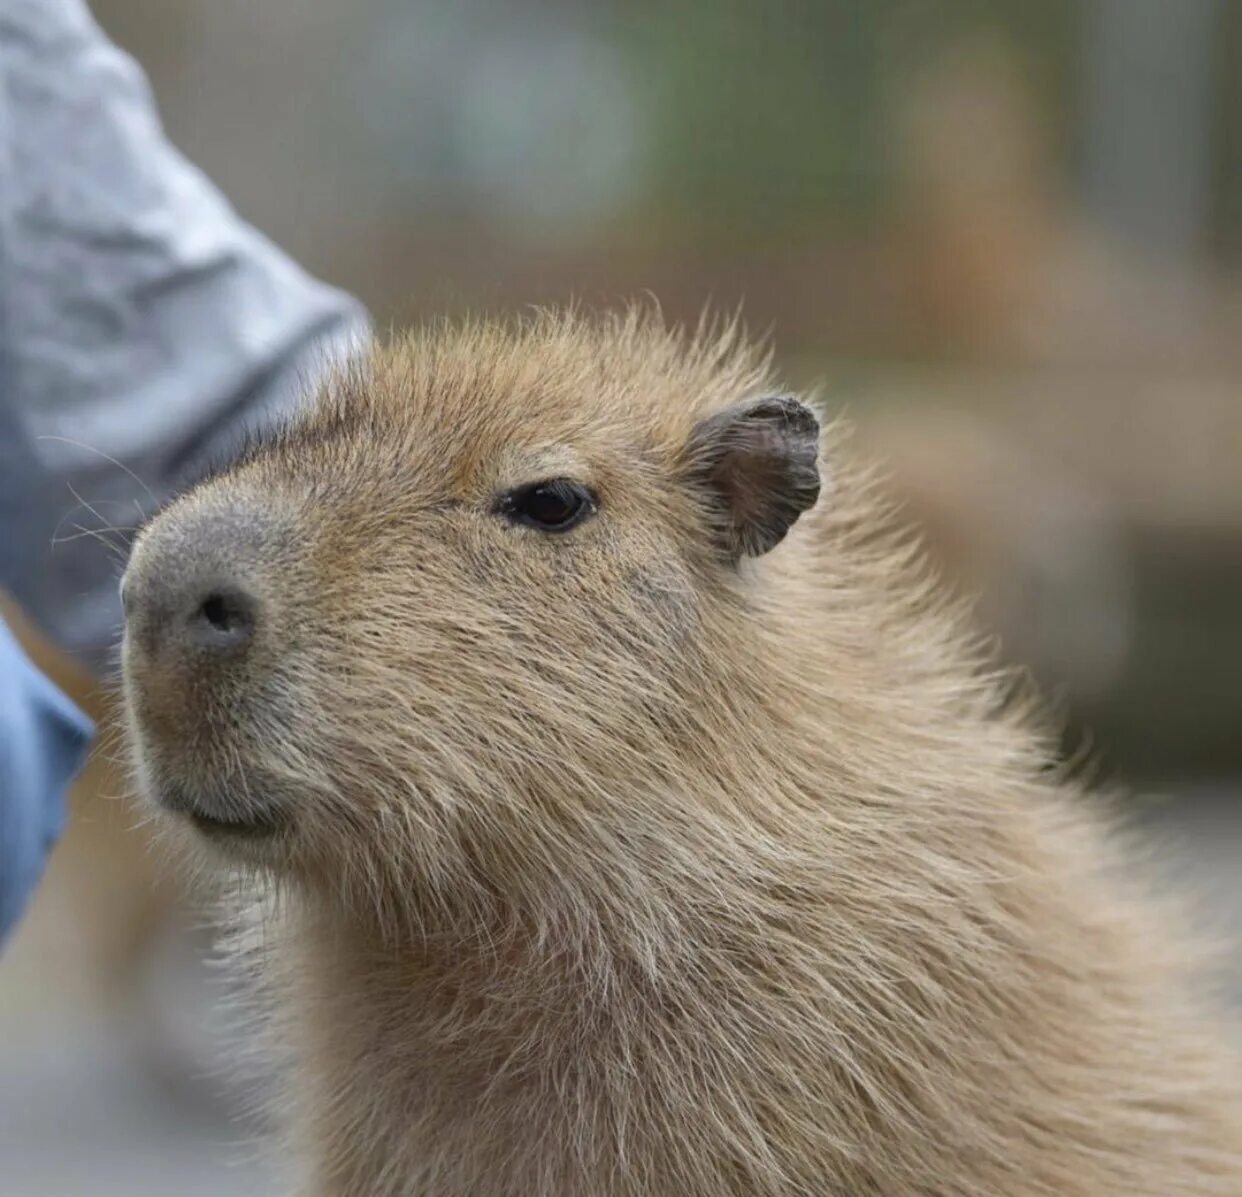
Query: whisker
(119,550)
(120,465)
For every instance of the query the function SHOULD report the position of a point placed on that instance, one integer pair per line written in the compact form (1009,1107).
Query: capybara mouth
(222,823)
(255,828)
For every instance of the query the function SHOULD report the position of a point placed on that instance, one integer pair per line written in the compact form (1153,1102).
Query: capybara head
(487,610)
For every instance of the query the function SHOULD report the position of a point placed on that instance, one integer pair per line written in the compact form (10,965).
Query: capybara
(623,812)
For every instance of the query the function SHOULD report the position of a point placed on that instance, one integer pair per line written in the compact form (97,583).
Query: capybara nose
(191,591)
(195,612)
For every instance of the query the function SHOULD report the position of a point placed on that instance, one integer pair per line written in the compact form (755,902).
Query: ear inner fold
(758,463)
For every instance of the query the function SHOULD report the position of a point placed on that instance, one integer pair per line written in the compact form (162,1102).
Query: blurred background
(1005,239)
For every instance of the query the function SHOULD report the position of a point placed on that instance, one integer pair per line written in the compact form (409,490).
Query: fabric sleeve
(143,324)
(43,742)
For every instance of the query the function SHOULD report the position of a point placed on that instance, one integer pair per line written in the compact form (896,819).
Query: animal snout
(203,618)
(194,592)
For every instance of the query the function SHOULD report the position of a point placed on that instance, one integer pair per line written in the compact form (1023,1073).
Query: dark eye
(552,506)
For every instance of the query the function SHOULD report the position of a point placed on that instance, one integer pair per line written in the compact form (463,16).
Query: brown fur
(621,870)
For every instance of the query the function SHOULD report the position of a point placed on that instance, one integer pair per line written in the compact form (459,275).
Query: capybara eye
(555,505)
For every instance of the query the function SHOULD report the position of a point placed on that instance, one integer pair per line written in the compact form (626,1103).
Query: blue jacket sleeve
(43,741)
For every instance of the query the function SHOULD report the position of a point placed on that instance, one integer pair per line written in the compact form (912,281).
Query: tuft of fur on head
(682,854)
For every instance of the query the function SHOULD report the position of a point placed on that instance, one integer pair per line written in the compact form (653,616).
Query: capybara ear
(757,461)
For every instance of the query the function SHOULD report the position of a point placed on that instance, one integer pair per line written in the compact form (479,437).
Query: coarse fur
(618,867)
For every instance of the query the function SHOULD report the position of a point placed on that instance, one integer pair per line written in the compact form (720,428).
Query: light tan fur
(620,870)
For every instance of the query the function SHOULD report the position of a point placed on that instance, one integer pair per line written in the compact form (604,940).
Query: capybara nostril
(223,620)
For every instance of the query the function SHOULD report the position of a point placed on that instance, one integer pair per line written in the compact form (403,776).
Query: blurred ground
(78,1117)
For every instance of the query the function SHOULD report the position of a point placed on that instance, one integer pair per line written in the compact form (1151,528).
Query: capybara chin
(627,816)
